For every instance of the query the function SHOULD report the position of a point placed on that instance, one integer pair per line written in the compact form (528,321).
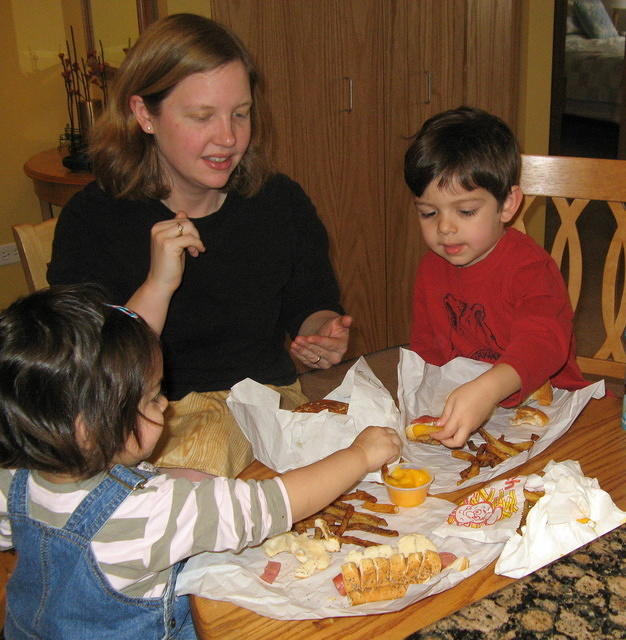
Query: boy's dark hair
(467,145)
(65,354)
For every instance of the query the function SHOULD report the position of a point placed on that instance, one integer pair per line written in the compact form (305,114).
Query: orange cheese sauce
(407,478)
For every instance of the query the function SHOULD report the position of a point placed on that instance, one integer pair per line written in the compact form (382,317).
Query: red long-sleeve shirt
(511,307)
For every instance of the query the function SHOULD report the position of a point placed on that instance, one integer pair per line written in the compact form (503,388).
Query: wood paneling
(349,81)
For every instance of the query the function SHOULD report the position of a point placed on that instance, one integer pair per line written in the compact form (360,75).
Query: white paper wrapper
(235,577)
(573,512)
(490,514)
(423,389)
(284,440)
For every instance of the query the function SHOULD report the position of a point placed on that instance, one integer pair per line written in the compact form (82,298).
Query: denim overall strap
(98,506)
(42,587)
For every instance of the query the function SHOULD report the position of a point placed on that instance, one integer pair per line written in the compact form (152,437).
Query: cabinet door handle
(350,96)
(429,86)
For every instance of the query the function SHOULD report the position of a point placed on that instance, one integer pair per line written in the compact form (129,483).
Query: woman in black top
(187,225)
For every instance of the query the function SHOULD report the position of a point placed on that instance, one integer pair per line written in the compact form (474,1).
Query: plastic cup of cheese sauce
(407,484)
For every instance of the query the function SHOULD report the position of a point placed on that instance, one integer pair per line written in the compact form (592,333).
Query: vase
(78,160)
(88,111)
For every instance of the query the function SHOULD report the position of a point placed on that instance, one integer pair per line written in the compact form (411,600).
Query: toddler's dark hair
(467,145)
(65,354)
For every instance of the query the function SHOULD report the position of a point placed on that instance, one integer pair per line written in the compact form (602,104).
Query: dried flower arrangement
(80,76)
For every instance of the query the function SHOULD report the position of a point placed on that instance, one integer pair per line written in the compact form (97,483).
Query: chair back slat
(572,184)
(34,245)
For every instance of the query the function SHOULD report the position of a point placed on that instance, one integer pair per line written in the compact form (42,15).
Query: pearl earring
(149,128)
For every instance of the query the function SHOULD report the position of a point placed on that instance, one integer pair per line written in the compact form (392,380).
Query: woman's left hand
(323,339)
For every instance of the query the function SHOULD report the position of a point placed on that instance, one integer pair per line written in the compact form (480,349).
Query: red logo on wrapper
(486,507)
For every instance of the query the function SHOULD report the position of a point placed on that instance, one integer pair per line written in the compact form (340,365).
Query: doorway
(573,133)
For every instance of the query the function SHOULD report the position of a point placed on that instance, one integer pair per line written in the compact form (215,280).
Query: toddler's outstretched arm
(313,487)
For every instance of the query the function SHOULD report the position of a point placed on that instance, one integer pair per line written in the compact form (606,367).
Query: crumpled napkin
(284,440)
(573,512)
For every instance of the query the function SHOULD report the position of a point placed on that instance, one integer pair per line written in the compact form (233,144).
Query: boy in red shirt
(483,291)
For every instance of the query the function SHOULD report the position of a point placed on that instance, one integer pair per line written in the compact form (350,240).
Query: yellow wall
(535,89)
(535,76)
(33,112)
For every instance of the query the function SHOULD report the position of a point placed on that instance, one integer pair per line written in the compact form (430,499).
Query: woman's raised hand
(170,239)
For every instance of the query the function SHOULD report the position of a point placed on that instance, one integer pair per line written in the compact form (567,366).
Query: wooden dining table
(596,440)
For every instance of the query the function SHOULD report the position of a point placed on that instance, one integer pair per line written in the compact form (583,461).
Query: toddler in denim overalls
(100,536)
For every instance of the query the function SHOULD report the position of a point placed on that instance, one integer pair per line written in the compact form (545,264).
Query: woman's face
(203,129)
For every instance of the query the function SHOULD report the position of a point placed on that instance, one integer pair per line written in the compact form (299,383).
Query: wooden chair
(34,244)
(572,184)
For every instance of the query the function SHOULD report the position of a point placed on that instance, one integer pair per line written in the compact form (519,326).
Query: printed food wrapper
(284,440)
(235,577)
(490,514)
(573,512)
(423,389)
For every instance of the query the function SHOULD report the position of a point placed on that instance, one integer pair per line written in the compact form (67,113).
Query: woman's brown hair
(125,159)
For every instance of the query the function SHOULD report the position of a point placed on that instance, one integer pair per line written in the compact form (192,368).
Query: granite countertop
(579,597)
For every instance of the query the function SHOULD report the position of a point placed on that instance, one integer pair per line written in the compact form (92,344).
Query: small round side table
(54,184)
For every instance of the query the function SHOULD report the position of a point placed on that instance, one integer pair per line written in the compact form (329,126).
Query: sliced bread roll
(530,415)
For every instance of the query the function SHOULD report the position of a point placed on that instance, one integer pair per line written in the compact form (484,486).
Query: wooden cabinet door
(425,72)
(493,57)
(322,62)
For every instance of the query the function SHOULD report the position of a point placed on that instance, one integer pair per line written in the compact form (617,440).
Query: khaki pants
(202,434)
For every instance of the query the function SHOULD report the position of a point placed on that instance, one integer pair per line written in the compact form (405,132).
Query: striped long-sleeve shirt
(165,522)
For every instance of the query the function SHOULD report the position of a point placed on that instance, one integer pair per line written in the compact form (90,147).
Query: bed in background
(594,61)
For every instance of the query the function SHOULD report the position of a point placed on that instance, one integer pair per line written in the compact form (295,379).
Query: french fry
(380,507)
(366,518)
(381,531)
(357,541)
(502,446)
(469,472)
(522,446)
(489,453)
(461,454)
(358,495)
(345,521)
(499,453)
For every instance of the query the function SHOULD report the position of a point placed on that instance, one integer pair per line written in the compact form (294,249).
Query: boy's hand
(379,445)
(466,409)
(471,404)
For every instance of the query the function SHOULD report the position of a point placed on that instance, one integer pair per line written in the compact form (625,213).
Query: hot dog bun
(420,429)
(375,579)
